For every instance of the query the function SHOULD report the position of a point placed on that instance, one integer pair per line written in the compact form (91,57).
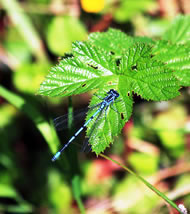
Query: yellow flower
(92,6)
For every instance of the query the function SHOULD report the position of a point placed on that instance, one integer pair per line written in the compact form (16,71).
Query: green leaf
(115,41)
(28,76)
(93,68)
(99,60)
(168,126)
(144,39)
(177,58)
(112,41)
(147,77)
(77,75)
(60,34)
(179,30)
(60,195)
(6,190)
(149,162)
(110,123)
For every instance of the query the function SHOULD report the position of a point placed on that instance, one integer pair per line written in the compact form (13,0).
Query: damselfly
(112,95)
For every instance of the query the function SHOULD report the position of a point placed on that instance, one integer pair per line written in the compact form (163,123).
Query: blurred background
(155,143)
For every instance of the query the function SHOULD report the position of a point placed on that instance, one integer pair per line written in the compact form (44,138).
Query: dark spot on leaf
(122,116)
(110,83)
(66,56)
(134,67)
(92,66)
(112,53)
(151,55)
(84,85)
(64,92)
(128,94)
(118,62)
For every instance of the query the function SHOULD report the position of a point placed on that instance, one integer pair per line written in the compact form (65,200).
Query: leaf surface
(113,41)
(177,58)
(179,31)
(90,67)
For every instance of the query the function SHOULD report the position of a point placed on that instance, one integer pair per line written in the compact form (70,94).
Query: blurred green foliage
(141,197)
(62,31)
(149,163)
(128,9)
(170,128)
(59,192)
(30,75)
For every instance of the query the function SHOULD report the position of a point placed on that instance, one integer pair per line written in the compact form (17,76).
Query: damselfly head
(113,93)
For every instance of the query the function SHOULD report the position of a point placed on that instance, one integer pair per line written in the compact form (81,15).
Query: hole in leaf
(84,85)
(92,66)
(122,116)
(118,62)
(128,93)
(112,53)
(134,67)
(151,55)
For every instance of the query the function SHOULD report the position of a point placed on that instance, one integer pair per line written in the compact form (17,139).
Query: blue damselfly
(112,95)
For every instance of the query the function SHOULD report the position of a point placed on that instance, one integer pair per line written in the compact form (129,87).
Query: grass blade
(145,182)
(46,129)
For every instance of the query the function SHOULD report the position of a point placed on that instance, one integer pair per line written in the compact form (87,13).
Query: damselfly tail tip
(56,156)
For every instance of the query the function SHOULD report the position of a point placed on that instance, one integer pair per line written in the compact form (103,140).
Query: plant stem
(145,182)
(77,193)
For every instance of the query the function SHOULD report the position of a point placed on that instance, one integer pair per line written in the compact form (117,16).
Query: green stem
(145,182)
(70,114)
(77,193)
(71,151)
